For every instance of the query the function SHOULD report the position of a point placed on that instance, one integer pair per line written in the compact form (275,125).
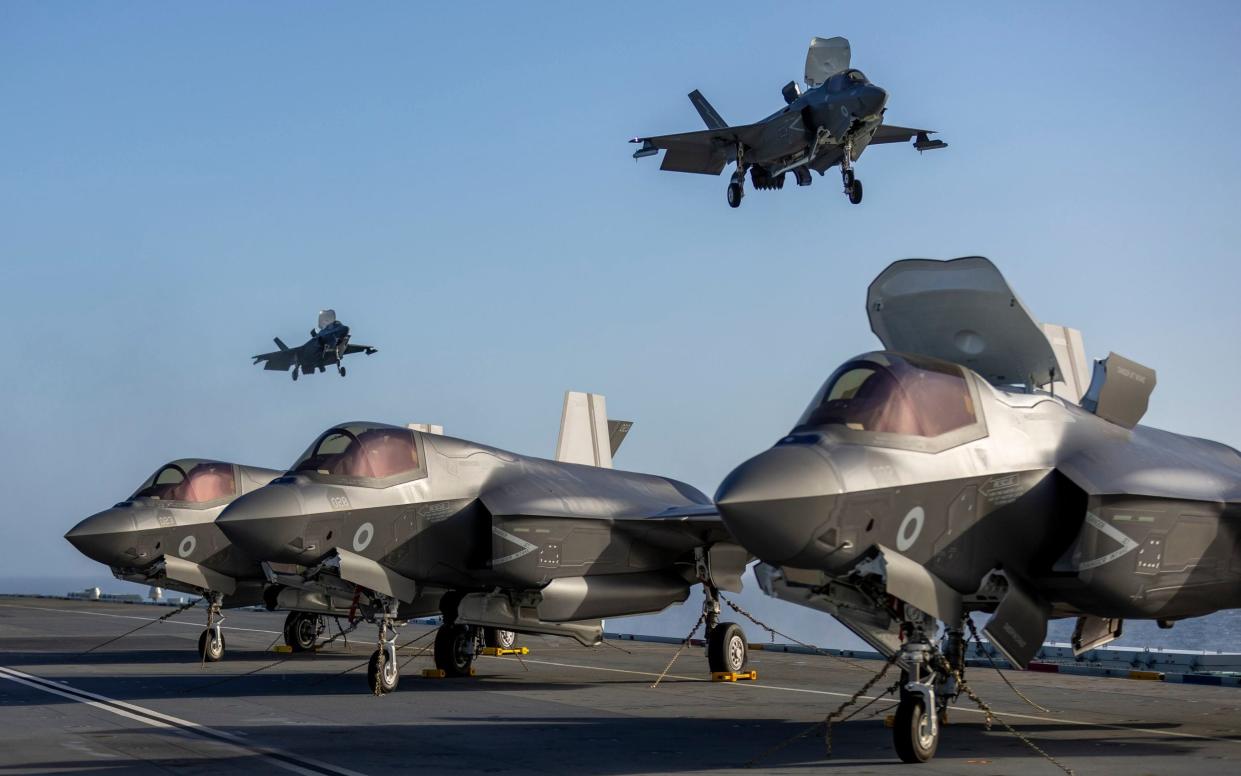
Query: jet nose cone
(104,536)
(266,523)
(873,99)
(777,503)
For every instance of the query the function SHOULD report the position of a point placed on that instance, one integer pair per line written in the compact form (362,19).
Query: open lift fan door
(961,311)
(825,58)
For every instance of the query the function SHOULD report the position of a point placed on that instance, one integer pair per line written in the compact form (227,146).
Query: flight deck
(146,703)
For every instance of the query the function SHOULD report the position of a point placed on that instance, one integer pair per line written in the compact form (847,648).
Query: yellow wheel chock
(733,676)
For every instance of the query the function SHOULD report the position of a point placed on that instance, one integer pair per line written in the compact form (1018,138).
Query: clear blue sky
(179,183)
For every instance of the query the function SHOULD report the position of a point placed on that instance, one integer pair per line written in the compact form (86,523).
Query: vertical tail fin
(584,436)
(280,344)
(709,115)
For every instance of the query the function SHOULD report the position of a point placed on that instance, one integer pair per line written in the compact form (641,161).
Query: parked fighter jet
(328,345)
(831,123)
(405,521)
(165,535)
(963,469)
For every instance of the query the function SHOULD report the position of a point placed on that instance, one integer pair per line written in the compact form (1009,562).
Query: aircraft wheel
(342,371)
(211,646)
(855,192)
(454,649)
(499,638)
(912,732)
(727,649)
(734,195)
(849,178)
(387,680)
(295,374)
(301,631)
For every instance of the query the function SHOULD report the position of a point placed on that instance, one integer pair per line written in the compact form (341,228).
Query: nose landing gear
(853,186)
(382,672)
(211,641)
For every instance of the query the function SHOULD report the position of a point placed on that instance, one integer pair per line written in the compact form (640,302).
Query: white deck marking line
(285,760)
(1005,714)
(135,617)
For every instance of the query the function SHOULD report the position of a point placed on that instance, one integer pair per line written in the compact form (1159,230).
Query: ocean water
(1219,632)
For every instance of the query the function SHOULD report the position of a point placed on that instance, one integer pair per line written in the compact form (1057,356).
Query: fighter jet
(165,535)
(831,123)
(963,469)
(401,519)
(327,345)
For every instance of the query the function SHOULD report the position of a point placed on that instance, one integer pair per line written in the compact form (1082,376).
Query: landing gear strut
(211,641)
(727,650)
(853,186)
(736,188)
(915,734)
(382,672)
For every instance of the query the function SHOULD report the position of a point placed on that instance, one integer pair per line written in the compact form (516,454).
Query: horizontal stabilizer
(710,116)
(280,344)
(617,431)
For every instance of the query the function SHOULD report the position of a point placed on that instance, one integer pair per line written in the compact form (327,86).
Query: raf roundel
(187,546)
(362,537)
(910,528)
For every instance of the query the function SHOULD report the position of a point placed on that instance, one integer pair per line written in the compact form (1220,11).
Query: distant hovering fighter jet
(966,467)
(404,520)
(329,345)
(831,123)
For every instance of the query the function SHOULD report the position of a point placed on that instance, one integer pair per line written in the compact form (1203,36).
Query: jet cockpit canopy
(897,400)
(193,482)
(373,454)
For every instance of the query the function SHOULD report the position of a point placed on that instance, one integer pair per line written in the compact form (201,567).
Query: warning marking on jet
(1127,545)
(526,547)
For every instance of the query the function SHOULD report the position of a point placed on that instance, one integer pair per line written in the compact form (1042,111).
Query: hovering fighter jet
(165,535)
(831,123)
(962,469)
(328,345)
(404,521)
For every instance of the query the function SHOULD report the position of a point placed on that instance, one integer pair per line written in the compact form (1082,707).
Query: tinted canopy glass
(193,482)
(362,452)
(894,394)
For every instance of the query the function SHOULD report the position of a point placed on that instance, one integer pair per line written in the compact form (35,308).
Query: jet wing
(279,360)
(886,133)
(705,151)
(368,349)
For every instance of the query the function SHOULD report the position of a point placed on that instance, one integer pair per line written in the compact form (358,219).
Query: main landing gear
(853,186)
(296,370)
(211,641)
(340,369)
(497,638)
(736,188)
(302,630)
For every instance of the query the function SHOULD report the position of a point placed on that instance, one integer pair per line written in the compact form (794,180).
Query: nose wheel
(735,193)
(211,640)
(382,672)
(295,371)
(340,369)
